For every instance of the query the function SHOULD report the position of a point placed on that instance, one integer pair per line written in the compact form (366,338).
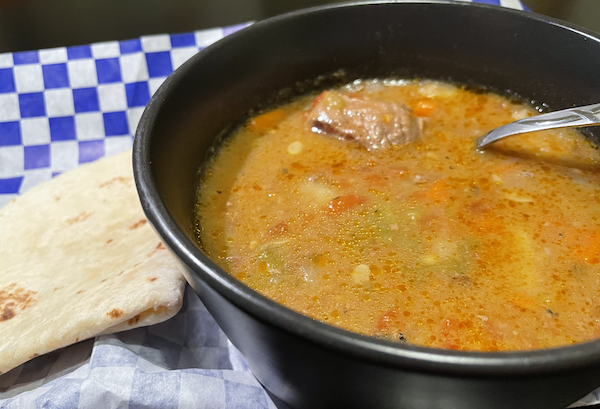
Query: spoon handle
(566,118)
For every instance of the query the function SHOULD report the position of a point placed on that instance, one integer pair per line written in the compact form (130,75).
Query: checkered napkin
(66,106)
(63,107)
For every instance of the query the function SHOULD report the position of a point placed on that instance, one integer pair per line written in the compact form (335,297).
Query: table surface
(39,24)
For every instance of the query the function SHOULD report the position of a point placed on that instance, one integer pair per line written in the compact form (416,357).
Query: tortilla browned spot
(117,179)
(159,246)
(7,313)
(79,218)
(115,313)
(134,320)
(138,224)
(13,300)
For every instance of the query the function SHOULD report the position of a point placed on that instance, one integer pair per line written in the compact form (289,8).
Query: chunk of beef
(373,124)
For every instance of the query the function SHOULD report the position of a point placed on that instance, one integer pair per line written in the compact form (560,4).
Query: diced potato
(295,148)
(361,274)
(444,248)
(432,89)
(521,113)
(316,193)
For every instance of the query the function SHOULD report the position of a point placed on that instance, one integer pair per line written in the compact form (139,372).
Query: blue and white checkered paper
(63,107)
(66,106)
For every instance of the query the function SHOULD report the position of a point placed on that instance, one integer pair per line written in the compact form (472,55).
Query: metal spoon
(566,118)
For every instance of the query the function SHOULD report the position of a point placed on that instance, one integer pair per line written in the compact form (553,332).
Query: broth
(431,243)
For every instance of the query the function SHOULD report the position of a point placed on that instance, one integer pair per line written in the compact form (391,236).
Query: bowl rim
(388,353)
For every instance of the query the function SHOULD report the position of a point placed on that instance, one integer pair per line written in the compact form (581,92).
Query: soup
(414,236)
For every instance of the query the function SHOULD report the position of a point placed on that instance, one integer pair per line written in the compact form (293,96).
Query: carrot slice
(523,301)
(588,249)
(344,203)
(386,319)
(438,192)
(318,99)
(424,107)
(262,122)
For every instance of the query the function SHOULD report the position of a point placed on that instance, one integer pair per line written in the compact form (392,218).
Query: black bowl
(301,362)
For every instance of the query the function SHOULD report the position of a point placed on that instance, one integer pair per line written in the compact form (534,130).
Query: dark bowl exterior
(304,363)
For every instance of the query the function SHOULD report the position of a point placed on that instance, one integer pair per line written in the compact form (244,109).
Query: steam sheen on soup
(427,240)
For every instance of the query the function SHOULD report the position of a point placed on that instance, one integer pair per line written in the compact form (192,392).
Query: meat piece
(373,124)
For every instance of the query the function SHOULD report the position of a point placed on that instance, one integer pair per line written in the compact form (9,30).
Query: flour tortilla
(79,259)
